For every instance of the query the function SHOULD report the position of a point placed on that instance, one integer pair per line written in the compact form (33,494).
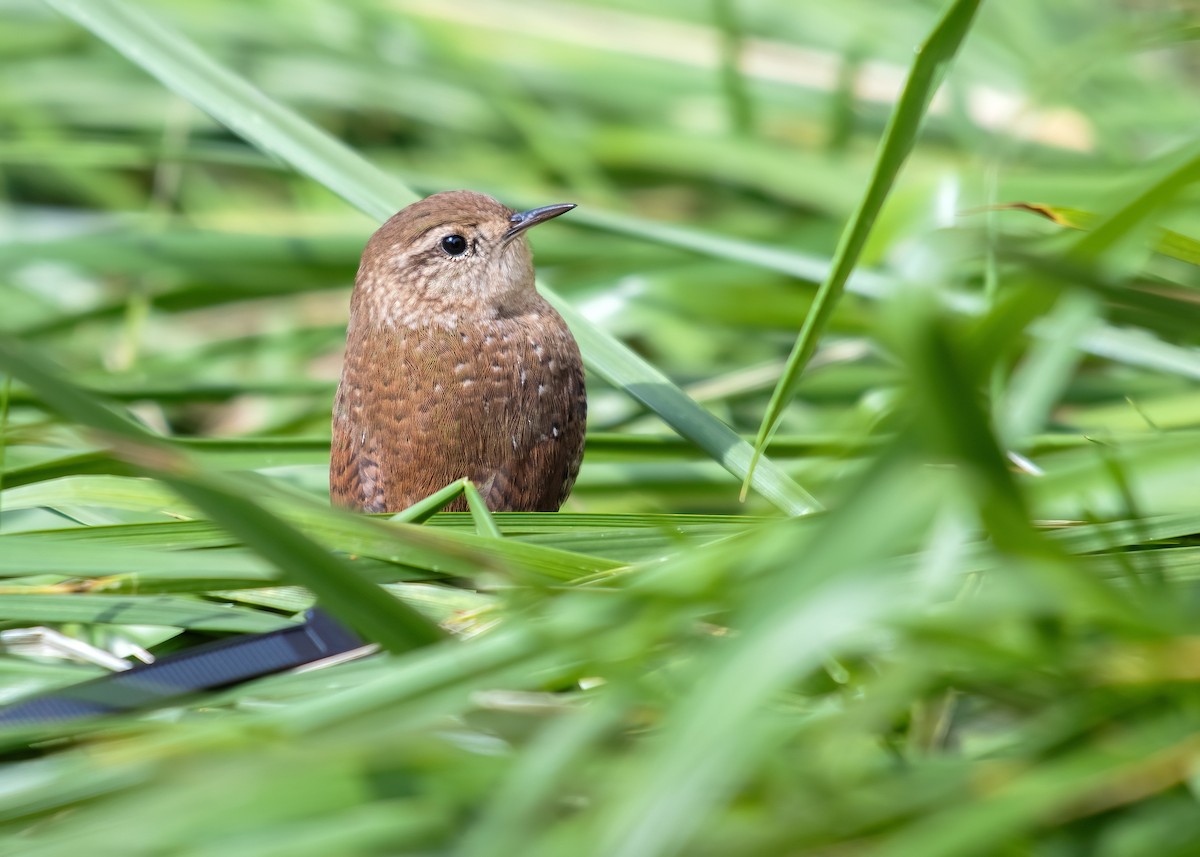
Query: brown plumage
(455,366)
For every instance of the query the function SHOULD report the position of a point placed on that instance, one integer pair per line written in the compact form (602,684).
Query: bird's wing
(355,477)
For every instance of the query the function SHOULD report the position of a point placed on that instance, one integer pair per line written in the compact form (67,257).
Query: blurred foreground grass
(987,645)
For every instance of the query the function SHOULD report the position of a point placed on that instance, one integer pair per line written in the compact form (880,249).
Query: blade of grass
(5,393)
(933,58)
(485,524)
(21,556)
(435,551)
(1041,379)
(171,611)
(1177,171)
(1168,242)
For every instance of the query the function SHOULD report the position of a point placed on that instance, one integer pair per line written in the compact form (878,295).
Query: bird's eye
(454,245)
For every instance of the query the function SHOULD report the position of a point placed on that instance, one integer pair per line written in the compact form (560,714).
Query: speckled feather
(455,367)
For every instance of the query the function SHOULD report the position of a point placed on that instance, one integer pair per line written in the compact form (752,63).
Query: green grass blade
(1168,242)
(172,611)
(933,58)
(22,555)
(485,524)
(1037,385)
(1178,171)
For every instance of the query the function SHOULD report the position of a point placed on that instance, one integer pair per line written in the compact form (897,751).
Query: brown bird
(455,366)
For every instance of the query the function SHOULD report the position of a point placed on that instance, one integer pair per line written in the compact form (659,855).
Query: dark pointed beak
(522,220)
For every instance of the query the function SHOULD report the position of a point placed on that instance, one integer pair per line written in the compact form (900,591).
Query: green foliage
(985,642)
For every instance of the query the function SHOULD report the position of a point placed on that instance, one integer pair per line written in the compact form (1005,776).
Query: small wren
(455,366)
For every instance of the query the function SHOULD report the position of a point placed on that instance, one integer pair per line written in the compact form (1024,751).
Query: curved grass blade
(5,392)
(1040,380)
(276,129)
(22,556)
(174,611)
(1167,242)
(1176,172)
(932,60)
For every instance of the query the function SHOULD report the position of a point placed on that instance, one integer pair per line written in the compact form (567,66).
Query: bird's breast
(499,401)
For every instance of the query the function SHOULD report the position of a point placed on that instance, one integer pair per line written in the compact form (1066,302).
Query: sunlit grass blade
(1036,385)
(275,129)
(174,611)
(1173,175)
(1168,243)
(5,392)
(485,524)
(25,555)
(933,58)
(117,492)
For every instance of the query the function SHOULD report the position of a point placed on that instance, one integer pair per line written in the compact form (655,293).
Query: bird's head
(458,252)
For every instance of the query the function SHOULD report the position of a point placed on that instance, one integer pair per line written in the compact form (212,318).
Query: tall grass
(955,616)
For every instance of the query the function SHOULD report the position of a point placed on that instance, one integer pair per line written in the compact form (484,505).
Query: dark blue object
(205,667)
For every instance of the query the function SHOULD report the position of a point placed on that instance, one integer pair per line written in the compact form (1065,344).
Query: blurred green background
(987,642)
